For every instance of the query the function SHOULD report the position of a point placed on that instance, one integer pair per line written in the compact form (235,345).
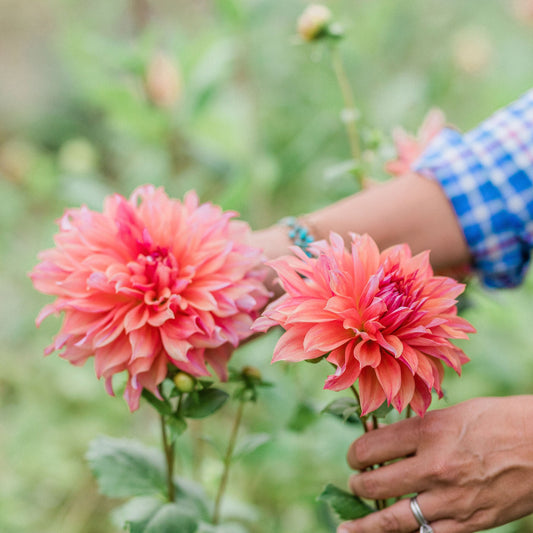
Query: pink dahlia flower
(409,147)
(148,283)
(383,319)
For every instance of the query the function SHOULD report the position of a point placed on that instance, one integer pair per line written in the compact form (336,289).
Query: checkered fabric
(488,176)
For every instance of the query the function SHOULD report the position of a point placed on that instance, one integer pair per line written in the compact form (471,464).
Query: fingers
(392,480)
(385,444)
(399,518)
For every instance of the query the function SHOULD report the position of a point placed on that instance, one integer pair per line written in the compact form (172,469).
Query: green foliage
(345,408)
(346,505)
(204,402)
(126,468)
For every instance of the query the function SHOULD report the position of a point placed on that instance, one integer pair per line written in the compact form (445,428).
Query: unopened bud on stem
(184,382)
(313,22)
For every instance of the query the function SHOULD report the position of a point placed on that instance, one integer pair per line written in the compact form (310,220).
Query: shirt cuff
(487,176)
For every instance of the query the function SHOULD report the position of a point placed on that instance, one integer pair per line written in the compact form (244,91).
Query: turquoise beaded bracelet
(299,234)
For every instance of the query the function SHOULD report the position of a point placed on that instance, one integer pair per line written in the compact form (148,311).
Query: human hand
(471,465)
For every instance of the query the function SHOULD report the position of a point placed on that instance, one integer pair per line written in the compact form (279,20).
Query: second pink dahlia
(383,319)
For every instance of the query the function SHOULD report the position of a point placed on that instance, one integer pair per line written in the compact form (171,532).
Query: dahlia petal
(218,359)
(112,330)
(389,375)
(46,311)
(311,310)
(145,343)
(406,391)
(410,358)
(344,377)
(368,353)
(370,391)
(421,397)
(136,318)
(175,348)
(109,386)
(339,356)
(424,370)
(326,336)
(112,358)
(290,346)
(263,324)
(396,343)
(159,318)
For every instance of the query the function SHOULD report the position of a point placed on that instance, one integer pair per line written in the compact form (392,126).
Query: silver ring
(420,518)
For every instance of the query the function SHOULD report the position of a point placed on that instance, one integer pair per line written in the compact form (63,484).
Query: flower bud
(163,81)
(251,372)
(184,382)
(313,22)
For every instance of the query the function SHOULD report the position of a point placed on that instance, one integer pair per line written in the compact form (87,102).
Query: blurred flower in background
(409,147)
(472,50)
(523,10)
(163,81)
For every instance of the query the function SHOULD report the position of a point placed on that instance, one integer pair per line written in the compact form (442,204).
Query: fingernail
(343,529)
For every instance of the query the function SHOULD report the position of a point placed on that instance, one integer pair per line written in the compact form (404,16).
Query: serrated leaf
(345,504)
(136,513)
(250,443)
(126,468)
(204,403)
(344,408)
(193,495)
(173,518)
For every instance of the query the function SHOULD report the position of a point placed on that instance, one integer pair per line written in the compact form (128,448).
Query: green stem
(350,120)
(169,456)
(227,462)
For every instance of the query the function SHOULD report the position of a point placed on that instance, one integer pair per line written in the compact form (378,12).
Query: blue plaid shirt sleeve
(488,176)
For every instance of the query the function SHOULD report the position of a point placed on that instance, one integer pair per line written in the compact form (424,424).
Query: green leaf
(344,408)
(382,411)
(193,496)
(137,513)
(163,407)
(304,415)
(172,518)
(176,426)
(126,468)
(345,504)
(203,403)
(250,443)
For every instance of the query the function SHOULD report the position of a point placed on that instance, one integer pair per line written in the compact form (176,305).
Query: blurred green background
(217,95)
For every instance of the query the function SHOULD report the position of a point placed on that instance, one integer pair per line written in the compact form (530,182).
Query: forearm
(412,209)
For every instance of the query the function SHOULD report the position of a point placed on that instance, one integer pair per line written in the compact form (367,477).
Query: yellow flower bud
(313,21)
(184,382)
(163,81)
(251,372)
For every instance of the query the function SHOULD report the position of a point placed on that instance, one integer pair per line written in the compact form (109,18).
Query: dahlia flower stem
(168,448)
(350,110)
(227,462)
(409,412)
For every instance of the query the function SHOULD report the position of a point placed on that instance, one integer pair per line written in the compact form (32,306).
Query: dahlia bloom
(151,282)
(383,319)
(409,147)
